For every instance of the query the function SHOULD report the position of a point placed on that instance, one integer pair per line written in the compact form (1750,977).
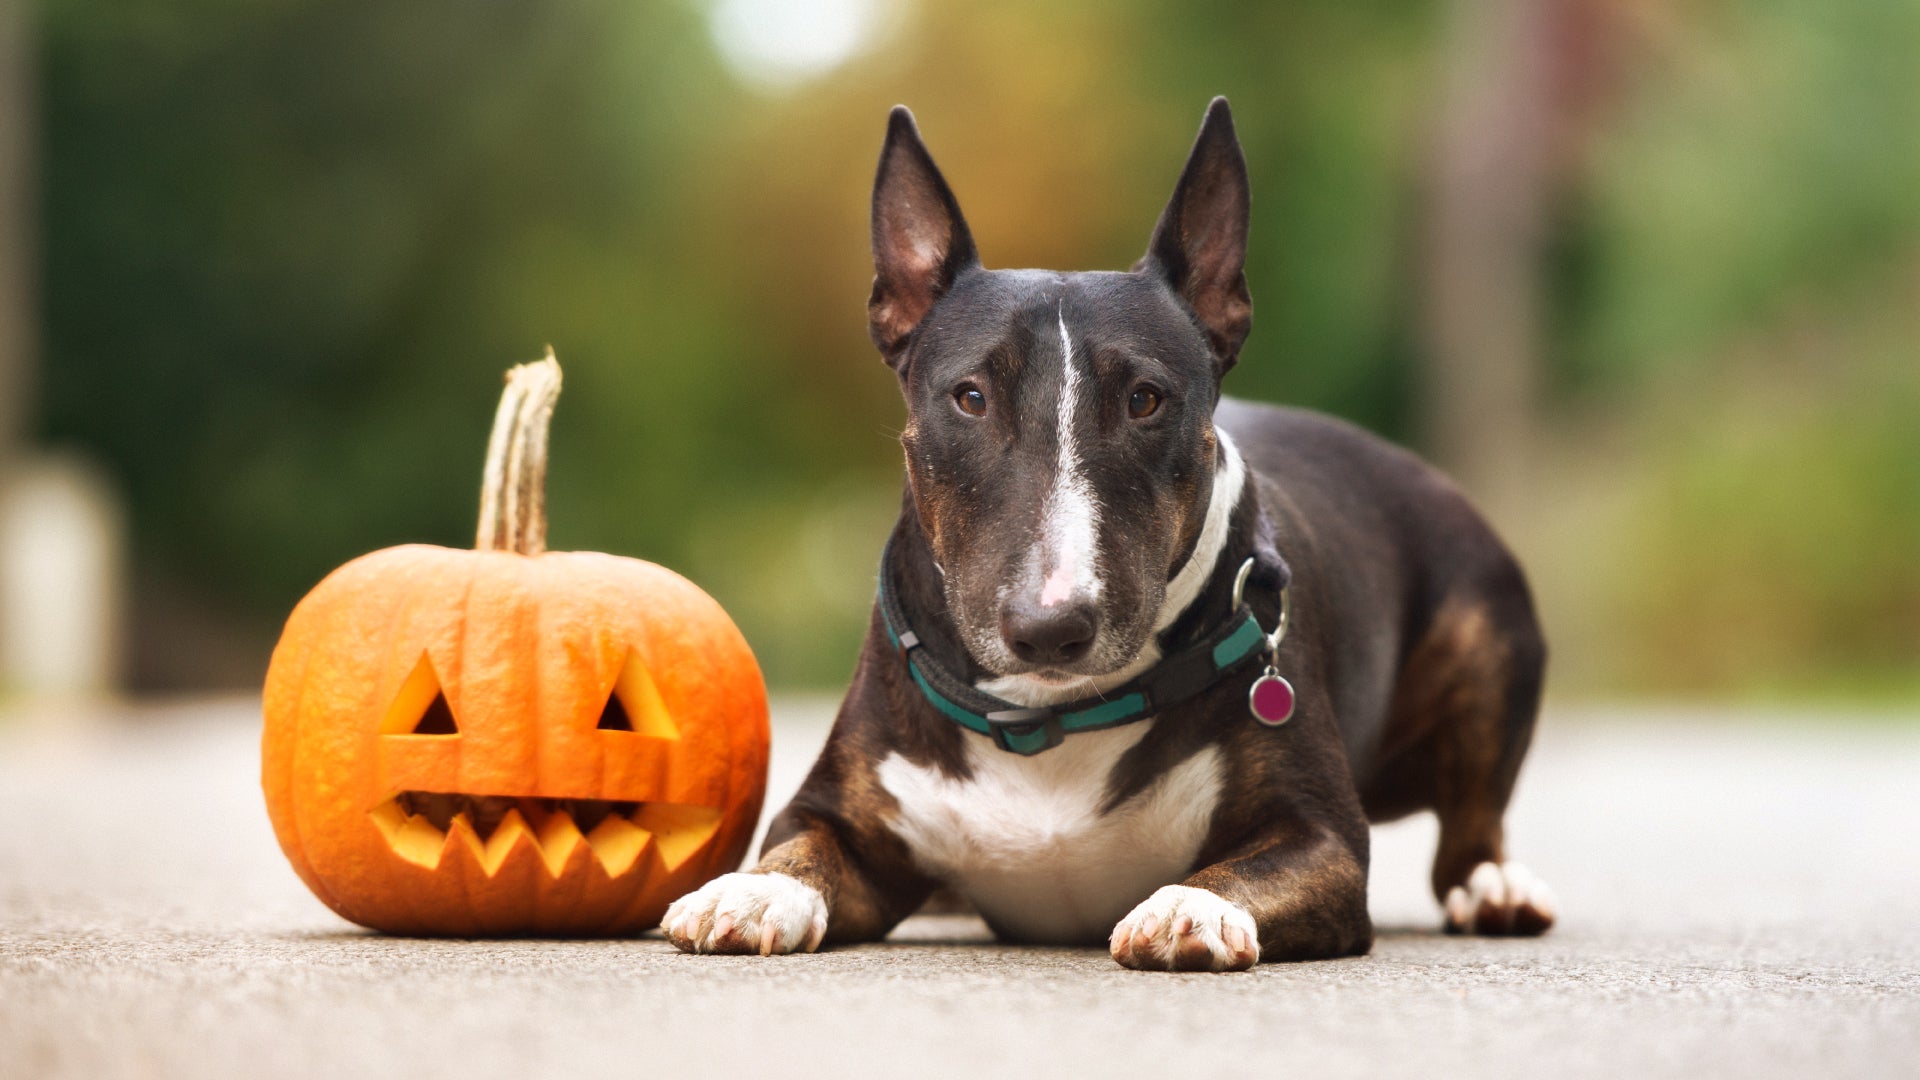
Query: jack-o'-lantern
(510,740)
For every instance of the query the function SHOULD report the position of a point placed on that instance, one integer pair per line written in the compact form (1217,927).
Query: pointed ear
(920,241)
(1200,245)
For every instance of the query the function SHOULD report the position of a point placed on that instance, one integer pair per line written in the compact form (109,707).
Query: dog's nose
(1049,635)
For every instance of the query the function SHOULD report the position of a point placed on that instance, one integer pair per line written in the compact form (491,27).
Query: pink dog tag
(1271,699)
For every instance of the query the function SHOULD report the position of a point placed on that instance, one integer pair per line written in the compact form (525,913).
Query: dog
(1145,661)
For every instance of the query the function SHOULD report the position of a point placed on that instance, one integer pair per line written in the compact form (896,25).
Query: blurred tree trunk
(1520,82)
(18,307)
(61,531)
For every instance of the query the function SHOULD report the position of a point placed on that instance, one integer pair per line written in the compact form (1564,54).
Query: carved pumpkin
(510,740)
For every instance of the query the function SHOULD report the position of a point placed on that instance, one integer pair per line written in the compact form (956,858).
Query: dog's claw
(1240,944)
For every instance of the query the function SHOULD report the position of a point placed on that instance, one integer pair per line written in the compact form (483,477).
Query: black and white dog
(1072,706)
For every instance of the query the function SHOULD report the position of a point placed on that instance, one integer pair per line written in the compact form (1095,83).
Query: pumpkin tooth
(488,812)
(557,836)
(511,830)
(389,817)
(617,843)
(678,829)
(437,808)
(491,853)
(419,842)
(461,832)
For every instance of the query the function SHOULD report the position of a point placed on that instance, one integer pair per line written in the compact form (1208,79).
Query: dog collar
(1232,645)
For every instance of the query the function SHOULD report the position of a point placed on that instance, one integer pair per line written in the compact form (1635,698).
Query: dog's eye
(971,400)
(1144,403)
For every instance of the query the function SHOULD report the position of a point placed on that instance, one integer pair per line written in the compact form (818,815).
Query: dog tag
(1271,699)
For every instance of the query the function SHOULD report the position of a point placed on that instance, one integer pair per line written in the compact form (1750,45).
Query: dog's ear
(920,241)
(1200,244)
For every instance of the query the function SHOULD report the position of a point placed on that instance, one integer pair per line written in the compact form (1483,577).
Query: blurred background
(1643,274)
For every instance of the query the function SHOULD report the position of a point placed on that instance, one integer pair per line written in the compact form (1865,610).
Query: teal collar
(1229,647)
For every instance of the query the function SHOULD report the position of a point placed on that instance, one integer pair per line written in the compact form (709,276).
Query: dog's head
(1059,442)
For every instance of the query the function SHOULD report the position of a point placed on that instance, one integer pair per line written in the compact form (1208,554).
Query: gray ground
(1741,895)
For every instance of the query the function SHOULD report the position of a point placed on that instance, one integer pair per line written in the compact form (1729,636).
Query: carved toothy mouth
(422,826)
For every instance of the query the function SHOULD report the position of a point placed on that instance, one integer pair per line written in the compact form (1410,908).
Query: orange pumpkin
(510,740)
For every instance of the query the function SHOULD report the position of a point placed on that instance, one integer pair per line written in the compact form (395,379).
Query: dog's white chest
(1024,838)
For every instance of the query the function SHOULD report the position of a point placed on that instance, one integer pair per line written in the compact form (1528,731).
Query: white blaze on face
(1067,556)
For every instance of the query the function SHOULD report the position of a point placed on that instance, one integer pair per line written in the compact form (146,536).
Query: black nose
(1049,635)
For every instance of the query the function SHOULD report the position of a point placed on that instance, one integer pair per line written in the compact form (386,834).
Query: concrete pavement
(1741,897)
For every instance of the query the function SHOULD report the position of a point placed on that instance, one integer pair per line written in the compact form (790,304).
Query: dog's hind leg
(1468,697)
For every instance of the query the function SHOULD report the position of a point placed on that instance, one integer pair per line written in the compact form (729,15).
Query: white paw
(1500,899)
(743,913)
(1181,928)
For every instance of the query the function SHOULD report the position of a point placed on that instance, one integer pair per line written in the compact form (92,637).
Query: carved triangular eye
(634,703)
(421,706)
(614,717)
(438,719)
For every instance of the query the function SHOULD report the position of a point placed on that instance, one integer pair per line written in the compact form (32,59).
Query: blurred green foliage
(290,246)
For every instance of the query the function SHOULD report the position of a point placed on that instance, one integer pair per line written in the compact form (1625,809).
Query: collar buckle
(1025,731)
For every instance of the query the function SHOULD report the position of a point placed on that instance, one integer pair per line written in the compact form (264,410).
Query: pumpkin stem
(513,489)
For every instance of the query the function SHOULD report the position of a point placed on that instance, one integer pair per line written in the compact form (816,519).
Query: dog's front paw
(1500,899)
(744,913)
(1181,928)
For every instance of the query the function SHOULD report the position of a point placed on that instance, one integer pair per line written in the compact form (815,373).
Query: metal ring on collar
(1280,629)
